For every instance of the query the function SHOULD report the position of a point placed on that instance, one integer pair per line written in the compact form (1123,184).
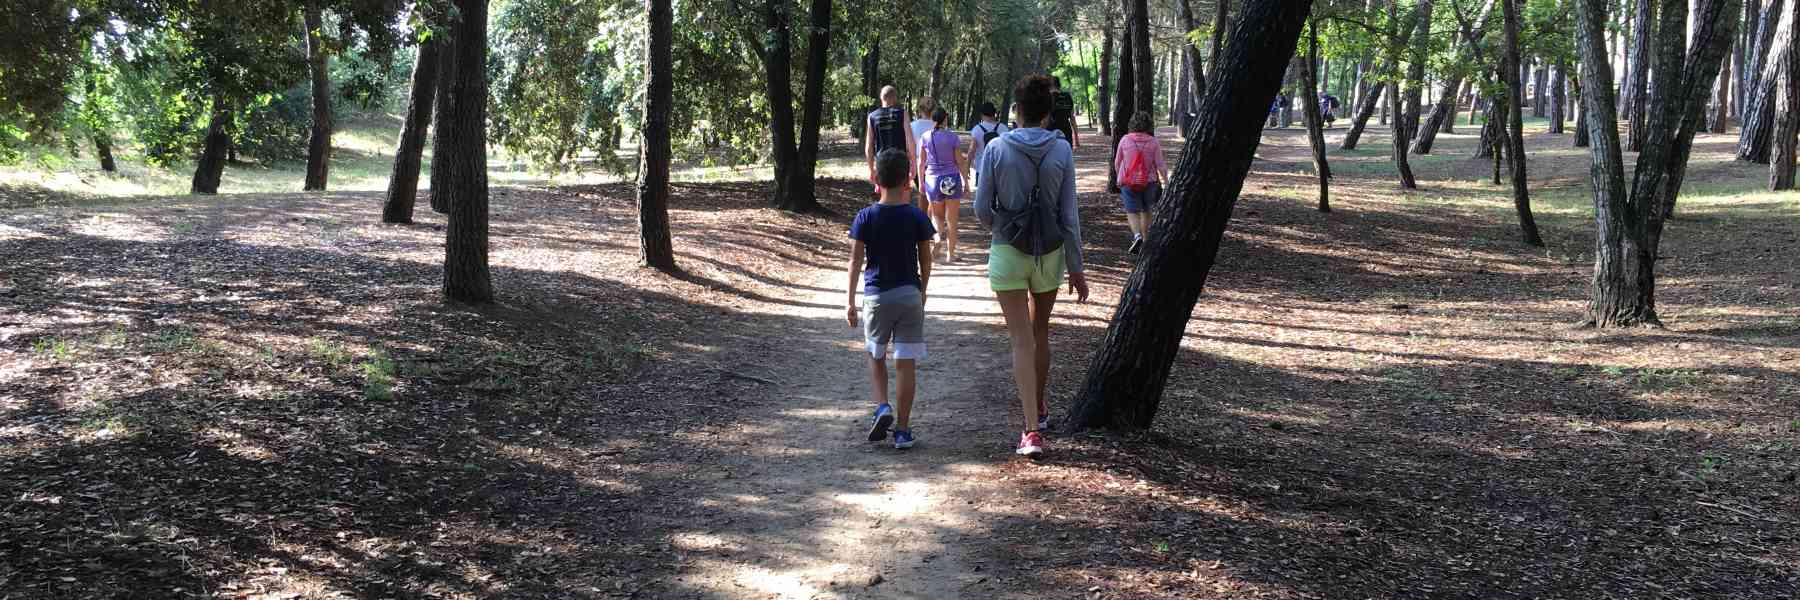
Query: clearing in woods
(262,396)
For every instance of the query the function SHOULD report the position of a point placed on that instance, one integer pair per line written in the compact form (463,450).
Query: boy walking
(890,268)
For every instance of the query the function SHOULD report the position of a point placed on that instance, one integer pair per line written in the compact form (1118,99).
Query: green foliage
(562,80)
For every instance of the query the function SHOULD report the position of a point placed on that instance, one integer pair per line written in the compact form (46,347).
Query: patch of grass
(175,339)
(1669,378)
(183,228)
(54,348)
(378,376)
(331,353)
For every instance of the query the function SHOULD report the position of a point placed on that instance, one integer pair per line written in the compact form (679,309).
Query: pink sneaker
(1031,444)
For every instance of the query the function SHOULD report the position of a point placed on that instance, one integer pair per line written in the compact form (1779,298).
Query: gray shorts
(896,316)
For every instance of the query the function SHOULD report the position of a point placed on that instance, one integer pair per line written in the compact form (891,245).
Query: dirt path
(809,509)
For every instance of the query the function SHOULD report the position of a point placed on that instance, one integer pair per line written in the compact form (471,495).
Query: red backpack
(1137,175)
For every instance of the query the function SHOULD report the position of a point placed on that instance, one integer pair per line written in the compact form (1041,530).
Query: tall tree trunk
(1287,86)
(1558,97)
(1491,131)
(1106,57)
(1360,120)
(1122,106)
(801,195)
(655,248)
(1721,114)
(1787,123)
(1582,134)
(1515,128)
(210,168)
(935,85)
(466,277)
(1221,26)
(977,87)
(1195,75)
(1540,105)
(1415,71)
(1315,121)
(871,70)
(103,151)
(403,186)
(1637,82)
(1629,222)
(1777,29)
(1398,95)
(1145,67)
(318,147)
(776,52)
(1126,376)
(447,74)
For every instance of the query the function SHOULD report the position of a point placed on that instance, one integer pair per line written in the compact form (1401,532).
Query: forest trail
(830,515)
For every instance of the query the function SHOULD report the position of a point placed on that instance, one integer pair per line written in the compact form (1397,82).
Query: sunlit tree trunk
(403,185)
(1106,72)
(209,169)
(1515,128)
(447,73)
(1777,31)
(466,277)
(1315,120)
(656,250)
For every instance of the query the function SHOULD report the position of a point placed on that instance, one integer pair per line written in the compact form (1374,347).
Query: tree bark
(1637,81)
(1558,98)
(103,151)
(1126,376)
(1195,75)
(1221,26)
(1122,106)
(1787,123)
(655,248)
(1442,115)
(466,277)
(1106,57)
(1145,67)
(403,186)
(210,168)
(1491,137)
(1315,121)
(1721,115)
(801,195)
(1759,115)
(1360,120)
(318,147)
(934,86)
(1515,128)
(447,74)
(871,70)
(1540,105)
(1629,222)
(1415,71)
(1582,134)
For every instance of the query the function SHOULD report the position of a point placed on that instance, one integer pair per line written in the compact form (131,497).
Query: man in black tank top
(888,129)
(1062,113)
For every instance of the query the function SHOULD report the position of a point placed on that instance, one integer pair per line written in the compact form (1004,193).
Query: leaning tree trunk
(447,73)
(403,186)
(210,168)
(1787,123)
(1360,120)
(1515,127)
(1442,114)
(318,147)
(1759,111)
(466,277)
(656,250)
(1315,121)
(1122,108)
(1126,376)
(801,195)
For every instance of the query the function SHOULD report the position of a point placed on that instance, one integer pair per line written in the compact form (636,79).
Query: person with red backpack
(1142,169)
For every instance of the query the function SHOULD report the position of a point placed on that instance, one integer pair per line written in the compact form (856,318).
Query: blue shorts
(1137,202)
(939,188)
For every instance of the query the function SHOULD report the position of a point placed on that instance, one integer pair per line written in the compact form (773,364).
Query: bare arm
(869,145)
(855,287)
(925,257)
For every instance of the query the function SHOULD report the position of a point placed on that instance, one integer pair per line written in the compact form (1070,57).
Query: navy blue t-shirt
(890,234)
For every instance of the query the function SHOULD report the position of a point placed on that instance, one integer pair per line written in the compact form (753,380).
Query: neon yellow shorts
(1012,270)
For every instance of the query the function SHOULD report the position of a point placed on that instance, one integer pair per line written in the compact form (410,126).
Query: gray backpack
(1036,228)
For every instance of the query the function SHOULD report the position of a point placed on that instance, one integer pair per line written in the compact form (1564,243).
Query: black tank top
(888,125)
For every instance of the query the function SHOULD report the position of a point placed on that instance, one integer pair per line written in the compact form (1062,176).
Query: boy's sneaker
(884,418)
(1137,244)
(903,439)
(1031,444)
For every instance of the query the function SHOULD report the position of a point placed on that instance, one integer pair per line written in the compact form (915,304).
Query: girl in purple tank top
(941,160)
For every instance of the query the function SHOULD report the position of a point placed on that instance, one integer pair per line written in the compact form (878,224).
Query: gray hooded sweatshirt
(1008,162)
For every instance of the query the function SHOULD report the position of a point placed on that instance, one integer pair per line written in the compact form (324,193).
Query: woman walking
(1027,199)
(941,160)
(1141,168)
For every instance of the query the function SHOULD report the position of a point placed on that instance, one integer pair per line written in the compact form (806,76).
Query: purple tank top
(940,152)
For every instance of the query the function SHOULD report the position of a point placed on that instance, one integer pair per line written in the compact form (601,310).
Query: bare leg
(1041,306)
(878,379)
(904,389)
(937,219)
(952,210)
(1016,307)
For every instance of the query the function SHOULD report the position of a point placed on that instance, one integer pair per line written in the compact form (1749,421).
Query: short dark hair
(891,168)
(1033,94)
(1140,123)
(988,110)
